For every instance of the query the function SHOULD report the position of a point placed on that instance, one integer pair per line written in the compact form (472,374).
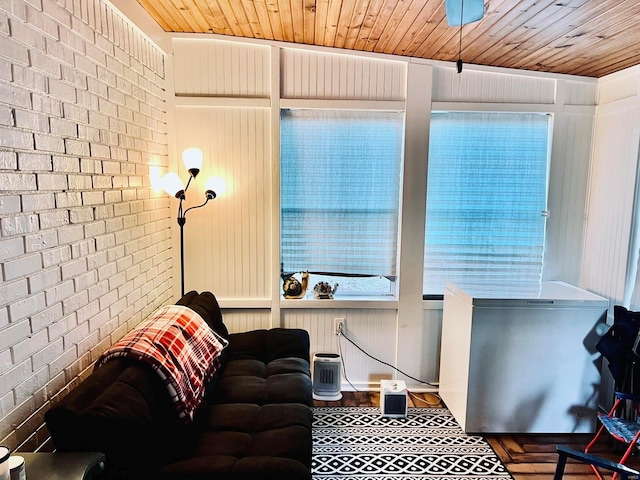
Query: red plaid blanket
(178,344)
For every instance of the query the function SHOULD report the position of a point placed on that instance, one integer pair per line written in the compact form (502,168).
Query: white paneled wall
(374,330)
(85,245)
(232,245)
(244,320)
(228,242)
(315,75)
(579,93)
(612,192)
(474,86)
(620,86)
(221,68)
(568,182)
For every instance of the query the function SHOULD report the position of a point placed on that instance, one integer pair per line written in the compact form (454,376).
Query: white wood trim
(173,155)
(386,105)
(493,107)
(276,317)
(514,107)
(304,304)
(379,304)
(619,104)
(410,319)
(245,303)
(213,102)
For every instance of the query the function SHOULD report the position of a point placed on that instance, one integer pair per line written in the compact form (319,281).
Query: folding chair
(620,347)
(623,471)
(626,430)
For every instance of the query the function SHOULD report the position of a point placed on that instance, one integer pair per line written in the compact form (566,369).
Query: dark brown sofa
(254,421)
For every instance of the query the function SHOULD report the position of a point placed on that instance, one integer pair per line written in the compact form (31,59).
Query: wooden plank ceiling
(579,37)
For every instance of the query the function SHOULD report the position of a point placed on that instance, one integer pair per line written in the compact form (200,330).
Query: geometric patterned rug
(357,443)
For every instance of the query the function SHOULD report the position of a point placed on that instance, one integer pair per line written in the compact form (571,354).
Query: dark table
(62,465)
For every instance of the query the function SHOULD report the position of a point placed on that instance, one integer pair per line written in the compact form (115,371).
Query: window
(486,200)
(340,190)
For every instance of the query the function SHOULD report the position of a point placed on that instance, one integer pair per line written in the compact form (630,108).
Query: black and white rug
(357,443)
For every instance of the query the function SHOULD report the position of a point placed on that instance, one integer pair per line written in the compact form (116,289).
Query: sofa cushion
(282,388)
(265,366)
(249,441)
(246,380)
(269,345)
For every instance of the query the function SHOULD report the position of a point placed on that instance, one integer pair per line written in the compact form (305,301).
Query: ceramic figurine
(323,290)
(293,288)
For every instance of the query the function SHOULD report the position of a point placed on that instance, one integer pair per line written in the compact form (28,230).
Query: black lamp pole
(182,219)
(181,222)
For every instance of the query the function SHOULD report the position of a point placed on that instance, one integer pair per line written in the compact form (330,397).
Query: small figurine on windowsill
(292,288)
(323,290)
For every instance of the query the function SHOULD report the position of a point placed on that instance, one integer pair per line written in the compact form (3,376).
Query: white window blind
(340,181)
(486,194)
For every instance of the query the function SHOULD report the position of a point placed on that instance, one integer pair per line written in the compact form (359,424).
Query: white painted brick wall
(85,245)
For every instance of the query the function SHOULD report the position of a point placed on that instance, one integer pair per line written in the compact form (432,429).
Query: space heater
(326,376)
(393,398)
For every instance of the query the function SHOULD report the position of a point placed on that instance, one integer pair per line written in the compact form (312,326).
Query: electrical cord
(437,403)
(341,334)
(344,368)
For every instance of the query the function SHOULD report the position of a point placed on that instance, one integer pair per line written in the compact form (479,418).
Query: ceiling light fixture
(461,12)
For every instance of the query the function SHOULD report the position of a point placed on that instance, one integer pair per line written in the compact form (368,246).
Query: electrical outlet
(339,326)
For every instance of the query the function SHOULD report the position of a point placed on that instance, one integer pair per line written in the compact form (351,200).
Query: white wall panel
(611,198)
(228,242)
(239,320)
(373,330)
(419,347)
(619,86)
(315,75)
(229,248)
(495,87)
(579,93)
(568,181)
(218,68)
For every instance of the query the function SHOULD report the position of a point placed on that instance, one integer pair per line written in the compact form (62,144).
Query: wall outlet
(339,326)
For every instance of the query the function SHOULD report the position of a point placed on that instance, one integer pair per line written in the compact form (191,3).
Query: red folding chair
(623,428)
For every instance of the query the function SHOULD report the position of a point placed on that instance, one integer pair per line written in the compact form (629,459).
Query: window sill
(382,302)
(386,302)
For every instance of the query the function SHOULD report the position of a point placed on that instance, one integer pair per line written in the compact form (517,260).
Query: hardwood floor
(526,456)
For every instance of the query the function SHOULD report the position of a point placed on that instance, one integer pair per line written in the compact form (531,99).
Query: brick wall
(84,241)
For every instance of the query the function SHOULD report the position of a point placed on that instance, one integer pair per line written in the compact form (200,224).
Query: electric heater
(393,398)
(326,376)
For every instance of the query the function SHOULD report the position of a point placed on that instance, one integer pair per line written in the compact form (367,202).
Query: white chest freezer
(514,362)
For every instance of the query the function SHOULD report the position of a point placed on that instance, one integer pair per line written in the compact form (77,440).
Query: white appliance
(326,376)
(515,362)
(393,398)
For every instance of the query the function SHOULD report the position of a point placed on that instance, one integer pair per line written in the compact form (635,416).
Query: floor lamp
(172,184)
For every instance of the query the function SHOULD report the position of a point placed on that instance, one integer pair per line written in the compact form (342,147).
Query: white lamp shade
(216,184)
(192,158)
(171,183)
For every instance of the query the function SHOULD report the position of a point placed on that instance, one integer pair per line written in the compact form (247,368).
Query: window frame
(549,146)
(392,283)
